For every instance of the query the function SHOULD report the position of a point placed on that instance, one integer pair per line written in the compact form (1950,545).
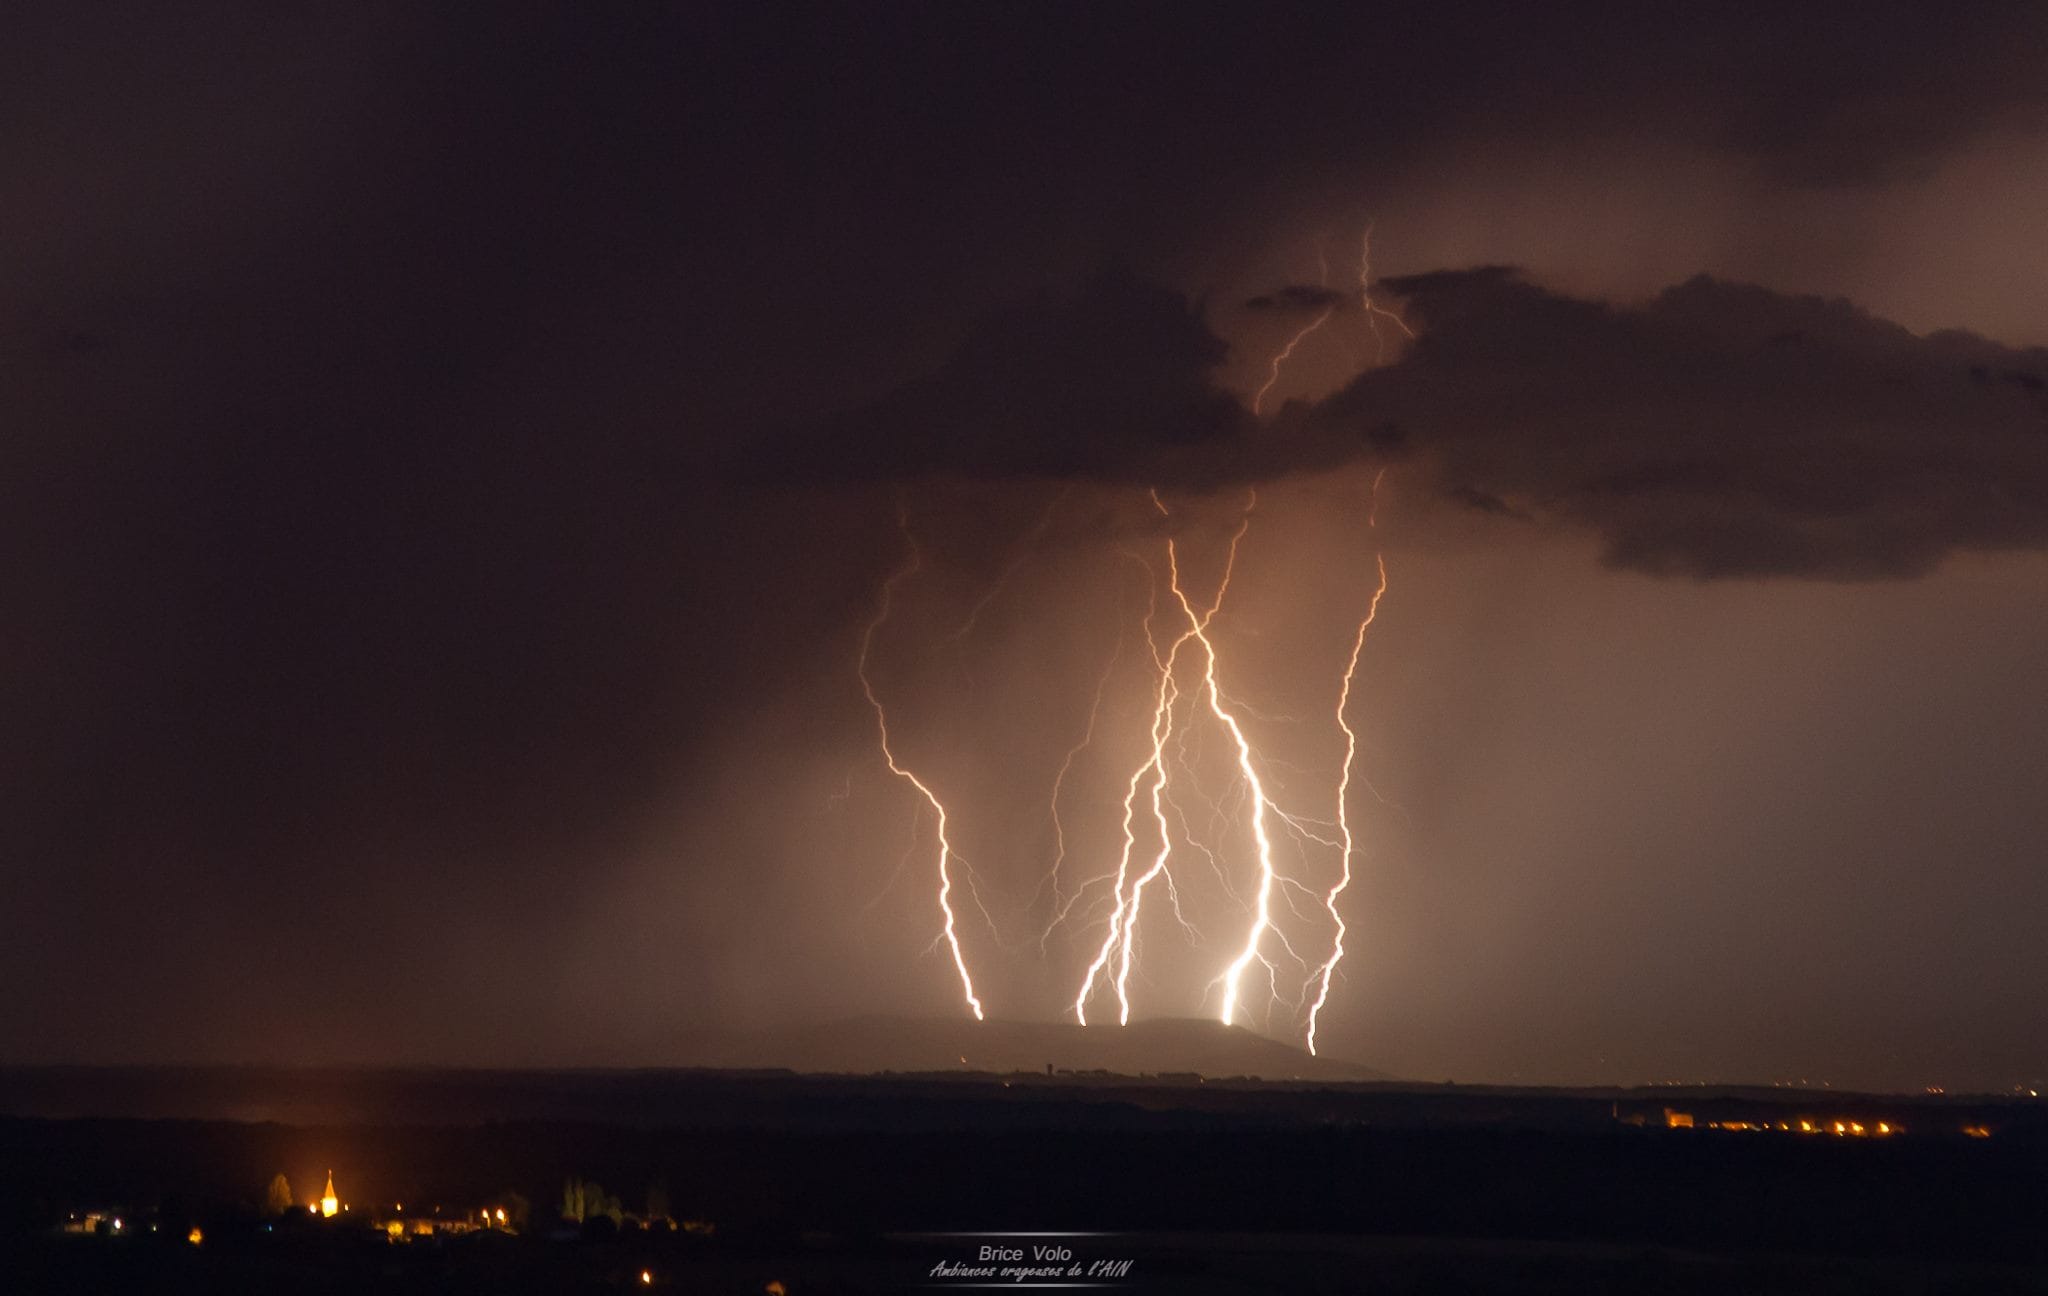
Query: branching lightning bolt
(1344,782)
(1162,719)
(1119,942)
(1374,312)
(1370,309)
(1174,763)
(913,562)
(1197,629)
(1263,899)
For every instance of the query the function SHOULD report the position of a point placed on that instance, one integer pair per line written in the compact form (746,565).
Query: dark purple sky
(449,462)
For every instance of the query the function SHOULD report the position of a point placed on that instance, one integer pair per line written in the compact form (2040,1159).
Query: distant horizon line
(1587,1088)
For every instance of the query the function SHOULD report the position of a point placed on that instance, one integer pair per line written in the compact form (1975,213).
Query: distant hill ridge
(1155,1046)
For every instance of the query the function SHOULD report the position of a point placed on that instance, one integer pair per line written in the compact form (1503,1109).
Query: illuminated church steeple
(328,1204)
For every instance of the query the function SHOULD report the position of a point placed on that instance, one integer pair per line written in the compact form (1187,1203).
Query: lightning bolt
(1370,309)
(1281,357)
(1374,312)
(914,562)
(1119,942)
(1162,721)
(1262,919)
(1174,763)
(1344,782)
(1151,779)
(1197,629)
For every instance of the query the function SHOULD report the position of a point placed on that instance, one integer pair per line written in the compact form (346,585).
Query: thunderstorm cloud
(1720,429)
(1717,430)
(1298,298)
(1096,385)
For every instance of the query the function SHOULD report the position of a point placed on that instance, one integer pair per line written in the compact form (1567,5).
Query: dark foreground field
(867,1185)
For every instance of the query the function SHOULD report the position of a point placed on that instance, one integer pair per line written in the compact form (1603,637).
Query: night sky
(450,458)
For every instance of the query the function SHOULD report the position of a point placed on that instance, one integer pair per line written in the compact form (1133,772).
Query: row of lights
(1841,1128)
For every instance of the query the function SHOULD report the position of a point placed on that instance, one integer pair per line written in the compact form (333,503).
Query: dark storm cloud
(1480,502)
(355,550)
(1720,429)
(1097,385)
(1833,105)
(1297,297)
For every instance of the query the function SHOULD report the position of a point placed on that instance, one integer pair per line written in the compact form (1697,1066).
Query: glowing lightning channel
(1343,816)
(1130,925)
(1344,782)
(1118,942)
(1281,357)
(1197,629)
(1373,311)
(1262,905)
(1266,939)
(1162,725)
(912,564)
(1124,919)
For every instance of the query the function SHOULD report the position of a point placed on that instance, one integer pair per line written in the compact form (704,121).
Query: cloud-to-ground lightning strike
(1262,902)
(1344,781)
(1372,312)
(1170,766)
(1115,955)
(1120,941)
(1197,628)
(1162,716)
(912,564)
